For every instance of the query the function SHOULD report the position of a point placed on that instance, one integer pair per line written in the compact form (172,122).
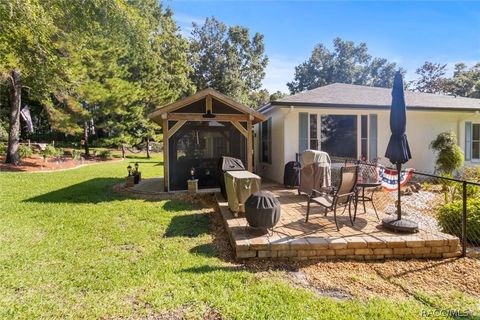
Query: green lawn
(71,248)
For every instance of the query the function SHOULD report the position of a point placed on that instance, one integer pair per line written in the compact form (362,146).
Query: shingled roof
(354,96)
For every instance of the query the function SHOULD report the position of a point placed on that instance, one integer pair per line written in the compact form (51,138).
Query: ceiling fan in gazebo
(208,114)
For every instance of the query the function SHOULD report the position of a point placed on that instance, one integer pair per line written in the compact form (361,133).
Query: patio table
(239,186)
(361,186)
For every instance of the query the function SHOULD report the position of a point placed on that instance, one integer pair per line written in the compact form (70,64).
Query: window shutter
(468,141)
(373,136)
(303,131)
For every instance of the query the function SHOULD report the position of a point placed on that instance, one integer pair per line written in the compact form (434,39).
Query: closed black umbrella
(398,151)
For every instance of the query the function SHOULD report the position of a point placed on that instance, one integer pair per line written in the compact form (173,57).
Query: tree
(277,95)
(347,63)
(431,78)
(122,59)
(465,82)
(228,60)
(259,98)
(449,154)
(28,58)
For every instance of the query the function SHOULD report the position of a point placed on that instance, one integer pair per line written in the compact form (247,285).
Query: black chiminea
(227,164)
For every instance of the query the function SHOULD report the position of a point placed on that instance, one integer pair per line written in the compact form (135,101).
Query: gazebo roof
(157,114)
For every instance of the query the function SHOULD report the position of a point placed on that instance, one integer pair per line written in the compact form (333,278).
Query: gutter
(361,106)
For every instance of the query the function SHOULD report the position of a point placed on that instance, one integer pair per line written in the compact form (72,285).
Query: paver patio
(296,239)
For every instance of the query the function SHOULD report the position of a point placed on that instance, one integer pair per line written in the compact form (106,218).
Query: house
(353,121)
(197,131)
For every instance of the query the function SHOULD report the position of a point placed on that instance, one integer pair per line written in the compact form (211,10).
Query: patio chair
(342,196)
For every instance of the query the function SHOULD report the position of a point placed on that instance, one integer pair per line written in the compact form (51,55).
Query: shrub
(3,131)
(449,154)
(76,154)
(50,152)
(3,148)
(470,174)
(25,151)
(105,154)
(450,218)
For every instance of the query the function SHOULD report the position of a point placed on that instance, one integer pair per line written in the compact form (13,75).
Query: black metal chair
(342,196)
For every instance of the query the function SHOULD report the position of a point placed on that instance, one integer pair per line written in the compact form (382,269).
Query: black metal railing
(455,190)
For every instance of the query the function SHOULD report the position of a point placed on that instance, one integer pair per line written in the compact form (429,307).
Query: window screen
(199,145)
(303,131)
(266,136)
(364,137)
(339,135)
(313,132)
(476,141)
(373,136)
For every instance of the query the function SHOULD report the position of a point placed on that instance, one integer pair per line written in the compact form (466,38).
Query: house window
(364,137)
(302,131)
(476,141)
(266,136)
(339,135)
(372,136)
(314,132)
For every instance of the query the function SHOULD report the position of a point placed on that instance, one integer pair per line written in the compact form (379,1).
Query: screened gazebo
(197,131)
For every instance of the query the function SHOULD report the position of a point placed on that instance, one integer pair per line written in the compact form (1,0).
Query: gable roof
(156,114)
(356,96)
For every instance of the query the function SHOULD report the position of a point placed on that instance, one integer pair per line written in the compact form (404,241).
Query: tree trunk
(123,151)
(148,148)
(85,139)
(13,155)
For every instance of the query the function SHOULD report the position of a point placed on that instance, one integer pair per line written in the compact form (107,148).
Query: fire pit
(262,210)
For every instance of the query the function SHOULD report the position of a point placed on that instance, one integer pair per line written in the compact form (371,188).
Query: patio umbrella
(398,151)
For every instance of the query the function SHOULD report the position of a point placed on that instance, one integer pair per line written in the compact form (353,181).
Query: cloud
(279,71)
(185,21)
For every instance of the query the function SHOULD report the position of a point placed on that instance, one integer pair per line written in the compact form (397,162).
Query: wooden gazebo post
(165,151)
(249,144)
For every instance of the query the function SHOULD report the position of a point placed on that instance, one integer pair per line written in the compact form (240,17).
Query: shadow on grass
(206,250)
(153,162)
(190,225)
(91,191)
(176,205)
(209,269)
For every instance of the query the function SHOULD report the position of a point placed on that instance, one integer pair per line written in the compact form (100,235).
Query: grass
(71,248)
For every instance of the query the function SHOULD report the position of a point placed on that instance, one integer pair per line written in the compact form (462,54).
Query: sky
(408,33)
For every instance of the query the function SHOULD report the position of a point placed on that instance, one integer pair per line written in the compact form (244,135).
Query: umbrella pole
(399,224)
(399,205)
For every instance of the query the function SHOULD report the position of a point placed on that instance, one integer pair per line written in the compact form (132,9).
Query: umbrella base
(402,225)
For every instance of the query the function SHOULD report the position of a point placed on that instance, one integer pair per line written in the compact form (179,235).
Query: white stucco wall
(422,128)
(273,170)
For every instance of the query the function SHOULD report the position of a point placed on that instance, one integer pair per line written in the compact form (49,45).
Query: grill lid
(230,164)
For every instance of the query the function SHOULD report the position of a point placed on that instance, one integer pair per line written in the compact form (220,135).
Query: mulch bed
(36,163)
(396,278)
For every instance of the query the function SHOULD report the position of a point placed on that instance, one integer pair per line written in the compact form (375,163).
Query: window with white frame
(339,135)
(476,141)
(472,141)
